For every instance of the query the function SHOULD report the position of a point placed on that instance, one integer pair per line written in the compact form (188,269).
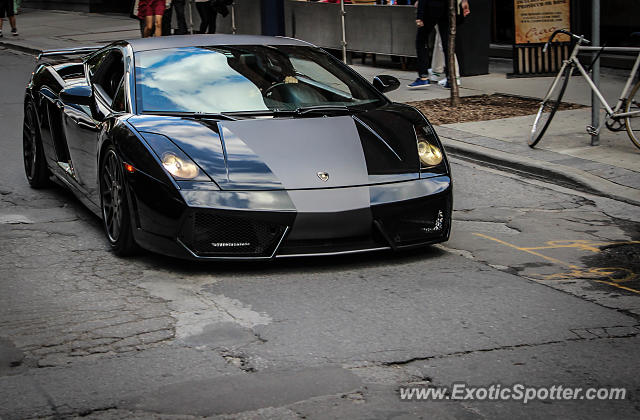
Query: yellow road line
(576,244)
(593,273)
(581,244)
(618,286)
(528,250)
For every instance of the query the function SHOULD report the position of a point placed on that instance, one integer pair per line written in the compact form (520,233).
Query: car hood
(294,153)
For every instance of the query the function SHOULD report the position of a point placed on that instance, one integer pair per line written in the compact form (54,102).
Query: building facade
(618,19)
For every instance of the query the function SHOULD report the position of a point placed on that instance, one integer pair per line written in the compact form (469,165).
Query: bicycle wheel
(633,122)
(549,106)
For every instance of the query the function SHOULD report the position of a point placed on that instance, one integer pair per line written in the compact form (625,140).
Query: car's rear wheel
(115,204)
(35,165)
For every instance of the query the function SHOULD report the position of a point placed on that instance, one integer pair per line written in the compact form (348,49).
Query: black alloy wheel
(115,205)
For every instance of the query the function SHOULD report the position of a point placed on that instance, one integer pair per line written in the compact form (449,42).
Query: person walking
(208,16)
(178,6)
(151,12)
(134,15)
(6,9)
(431,13)
(221,7)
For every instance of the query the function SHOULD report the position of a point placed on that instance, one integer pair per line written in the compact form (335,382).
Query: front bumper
(260,225)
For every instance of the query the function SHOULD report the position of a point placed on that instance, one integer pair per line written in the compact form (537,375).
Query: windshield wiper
(260,113)
(276,112)
(324,109)
(195,115)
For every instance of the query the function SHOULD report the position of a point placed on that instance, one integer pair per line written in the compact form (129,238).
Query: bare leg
(12,21)
(148,26)
(158,19)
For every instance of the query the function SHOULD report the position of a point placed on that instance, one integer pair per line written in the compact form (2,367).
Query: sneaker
(419,83)
(434,76)
(445,83)
(14,31)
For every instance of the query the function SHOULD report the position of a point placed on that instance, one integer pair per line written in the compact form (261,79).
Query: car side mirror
(385,83)
(79,95)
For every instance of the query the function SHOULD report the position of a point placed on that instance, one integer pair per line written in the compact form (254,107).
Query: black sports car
(235,147)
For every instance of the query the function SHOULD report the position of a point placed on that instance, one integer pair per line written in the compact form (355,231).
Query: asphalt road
(538,286)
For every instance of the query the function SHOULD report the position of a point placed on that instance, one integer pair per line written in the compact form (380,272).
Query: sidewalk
(50,29)
(611,169)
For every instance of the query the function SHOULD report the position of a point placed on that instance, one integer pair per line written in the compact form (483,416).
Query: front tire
(549,106)
(35,165)
(633,122)
(115,205)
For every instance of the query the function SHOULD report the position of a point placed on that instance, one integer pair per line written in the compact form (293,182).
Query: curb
(558,174)
(21,48)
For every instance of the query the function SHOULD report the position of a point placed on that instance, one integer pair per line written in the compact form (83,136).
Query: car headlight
(178,167)
(430,155)
(429,149)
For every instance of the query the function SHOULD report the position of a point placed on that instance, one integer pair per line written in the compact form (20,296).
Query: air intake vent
(415,222)
(216,234)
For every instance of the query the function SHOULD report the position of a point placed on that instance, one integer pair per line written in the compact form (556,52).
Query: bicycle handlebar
(580,38)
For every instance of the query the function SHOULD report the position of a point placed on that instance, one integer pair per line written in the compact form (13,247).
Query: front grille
(417,221)
(219,234)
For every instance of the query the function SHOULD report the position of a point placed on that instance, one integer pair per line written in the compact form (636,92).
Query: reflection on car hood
(289,153)
(295,151)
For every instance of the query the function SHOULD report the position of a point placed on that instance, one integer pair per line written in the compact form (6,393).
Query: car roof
(177,41)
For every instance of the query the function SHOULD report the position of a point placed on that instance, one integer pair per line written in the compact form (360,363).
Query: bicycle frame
(615,116)
(573,60)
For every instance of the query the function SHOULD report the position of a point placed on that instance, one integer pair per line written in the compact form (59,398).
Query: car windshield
(256,78)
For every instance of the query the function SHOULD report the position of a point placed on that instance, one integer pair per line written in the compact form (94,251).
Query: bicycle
(629,101)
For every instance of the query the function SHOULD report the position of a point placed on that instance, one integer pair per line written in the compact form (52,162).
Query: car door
(85,125)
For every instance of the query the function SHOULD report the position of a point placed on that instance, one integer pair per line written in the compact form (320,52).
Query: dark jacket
(437,8)
(220,6)
(431,7)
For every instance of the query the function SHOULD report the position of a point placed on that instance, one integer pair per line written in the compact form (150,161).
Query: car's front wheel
(115,204)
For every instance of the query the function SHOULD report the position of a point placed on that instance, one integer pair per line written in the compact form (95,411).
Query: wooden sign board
(535,20)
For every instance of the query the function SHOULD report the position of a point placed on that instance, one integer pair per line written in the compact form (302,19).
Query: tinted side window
(109,73)
(94,62)
(118,100)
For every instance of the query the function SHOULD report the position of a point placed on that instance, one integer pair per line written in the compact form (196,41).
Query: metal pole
(189,3)
(233,18)
(344,33)
(595,38)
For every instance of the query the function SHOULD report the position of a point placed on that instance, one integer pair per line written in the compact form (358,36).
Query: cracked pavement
(535,287)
